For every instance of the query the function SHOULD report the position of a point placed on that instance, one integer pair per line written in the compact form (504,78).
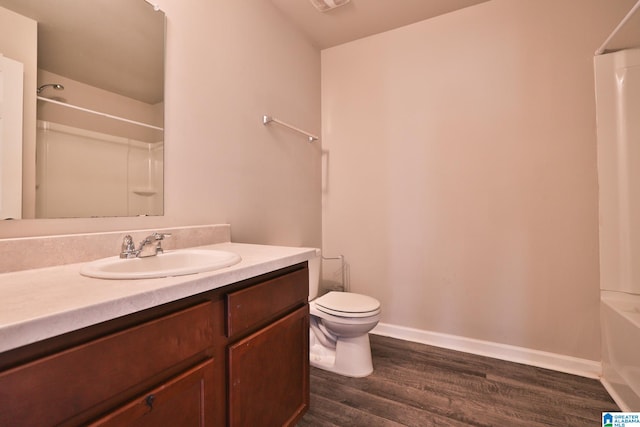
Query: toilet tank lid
(348,302)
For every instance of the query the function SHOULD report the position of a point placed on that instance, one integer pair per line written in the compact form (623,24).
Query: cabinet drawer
(184,400)
(53,389)
(252,307)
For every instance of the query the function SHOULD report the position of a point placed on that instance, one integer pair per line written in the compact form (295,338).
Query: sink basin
(171,263)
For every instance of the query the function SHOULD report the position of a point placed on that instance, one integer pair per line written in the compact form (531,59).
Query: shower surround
(618,106)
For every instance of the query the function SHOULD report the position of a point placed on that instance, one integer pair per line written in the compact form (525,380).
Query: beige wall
(228,63)
(461,178)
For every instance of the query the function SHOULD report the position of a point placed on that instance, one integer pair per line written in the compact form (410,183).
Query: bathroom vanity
(228,347)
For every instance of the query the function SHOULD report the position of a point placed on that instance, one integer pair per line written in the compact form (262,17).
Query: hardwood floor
(419,385)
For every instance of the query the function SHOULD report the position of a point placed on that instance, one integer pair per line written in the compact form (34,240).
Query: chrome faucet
(150,246)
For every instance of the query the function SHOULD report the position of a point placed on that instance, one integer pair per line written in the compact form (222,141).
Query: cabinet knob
(149,400)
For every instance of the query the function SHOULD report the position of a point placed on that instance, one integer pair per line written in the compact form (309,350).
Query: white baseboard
(542,359)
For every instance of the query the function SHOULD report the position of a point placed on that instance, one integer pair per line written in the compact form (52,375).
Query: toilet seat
(347,304)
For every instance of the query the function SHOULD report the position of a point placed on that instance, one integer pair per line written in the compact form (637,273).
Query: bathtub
(620,323)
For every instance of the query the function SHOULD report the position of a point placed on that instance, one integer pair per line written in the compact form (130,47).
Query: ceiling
(82,57)
(361,18)
(74,35)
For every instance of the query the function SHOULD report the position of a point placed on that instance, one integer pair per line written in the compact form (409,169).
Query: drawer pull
(149,400)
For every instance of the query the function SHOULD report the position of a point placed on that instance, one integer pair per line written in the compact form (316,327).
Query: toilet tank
(314,274)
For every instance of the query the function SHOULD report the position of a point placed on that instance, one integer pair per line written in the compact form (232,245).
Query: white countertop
(42,303)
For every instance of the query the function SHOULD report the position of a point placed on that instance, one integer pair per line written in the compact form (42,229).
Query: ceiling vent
(325,5)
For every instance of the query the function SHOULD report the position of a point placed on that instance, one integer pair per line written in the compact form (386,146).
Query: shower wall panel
(618,109)
(119,177)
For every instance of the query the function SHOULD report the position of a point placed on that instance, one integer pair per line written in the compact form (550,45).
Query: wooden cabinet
(253,307)
(73,385)
(268,355)
(181,401)
(237,355)
(269,374)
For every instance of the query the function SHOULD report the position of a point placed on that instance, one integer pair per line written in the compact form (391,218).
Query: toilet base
(351,357)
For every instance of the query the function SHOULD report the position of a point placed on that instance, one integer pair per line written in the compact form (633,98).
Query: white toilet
(340,324)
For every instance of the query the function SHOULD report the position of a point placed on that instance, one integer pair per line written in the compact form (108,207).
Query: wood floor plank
(469,396)
(328,413)
(419,385)
(527,380)
(398,413)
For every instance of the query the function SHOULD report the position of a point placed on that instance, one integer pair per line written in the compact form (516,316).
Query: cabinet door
(183,401)
(269,373)
(84,381)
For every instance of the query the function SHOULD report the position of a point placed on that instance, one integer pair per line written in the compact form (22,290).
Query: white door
(11,89)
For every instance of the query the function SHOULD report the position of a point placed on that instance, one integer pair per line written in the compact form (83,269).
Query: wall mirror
(92,106)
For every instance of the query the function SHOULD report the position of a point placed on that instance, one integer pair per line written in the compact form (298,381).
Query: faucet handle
(128,249)
(152,241)
(159,237)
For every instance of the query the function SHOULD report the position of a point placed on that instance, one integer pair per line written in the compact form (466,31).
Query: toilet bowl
(340,324)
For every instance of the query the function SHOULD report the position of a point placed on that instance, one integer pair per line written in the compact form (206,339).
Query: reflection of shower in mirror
(56,86)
